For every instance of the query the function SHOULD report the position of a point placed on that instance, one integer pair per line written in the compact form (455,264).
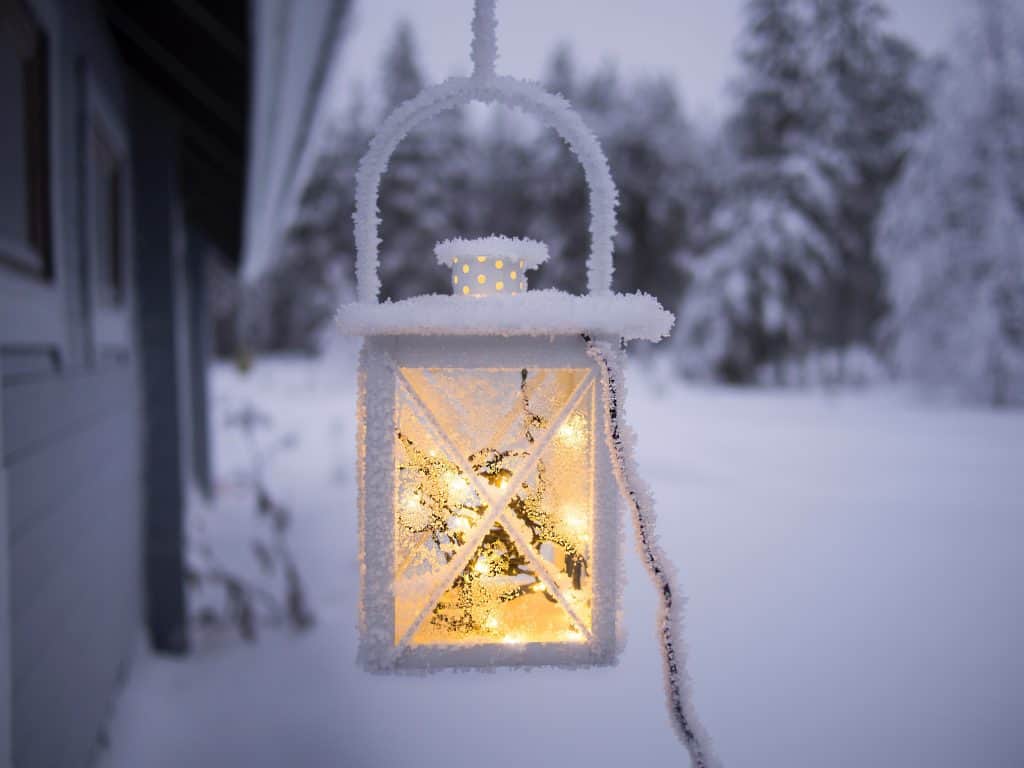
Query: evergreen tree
(751,291)
(658,165)
(867,107)
(425,185)
(826,105)
(953,231)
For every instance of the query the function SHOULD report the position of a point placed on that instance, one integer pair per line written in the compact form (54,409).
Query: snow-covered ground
(855,573)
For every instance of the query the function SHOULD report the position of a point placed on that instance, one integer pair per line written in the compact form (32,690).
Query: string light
(573,432)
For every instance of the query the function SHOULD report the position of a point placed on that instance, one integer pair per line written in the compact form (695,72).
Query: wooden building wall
(92,415)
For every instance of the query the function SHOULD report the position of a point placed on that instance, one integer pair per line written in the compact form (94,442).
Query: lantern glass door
(487,499)
(493,493)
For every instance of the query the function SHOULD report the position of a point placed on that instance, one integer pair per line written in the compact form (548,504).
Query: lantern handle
(485,87)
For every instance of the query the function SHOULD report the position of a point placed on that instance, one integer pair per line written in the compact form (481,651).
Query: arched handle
(551,109)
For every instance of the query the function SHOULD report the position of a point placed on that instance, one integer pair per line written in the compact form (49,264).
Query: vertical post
(157,220)
(199,357)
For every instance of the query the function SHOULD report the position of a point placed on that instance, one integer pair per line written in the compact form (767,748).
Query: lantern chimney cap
(530,252)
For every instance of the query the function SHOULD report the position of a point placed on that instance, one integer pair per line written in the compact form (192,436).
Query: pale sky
(692,40)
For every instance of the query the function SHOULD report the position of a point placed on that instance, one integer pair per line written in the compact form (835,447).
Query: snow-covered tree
(425,184)
(953,232)
(750,294)
(825,103)
(867,106)
(660,166)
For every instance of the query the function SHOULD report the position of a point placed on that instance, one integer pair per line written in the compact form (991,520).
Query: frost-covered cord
(619,438)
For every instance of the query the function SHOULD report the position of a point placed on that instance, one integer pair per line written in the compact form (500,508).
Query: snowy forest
(858,215)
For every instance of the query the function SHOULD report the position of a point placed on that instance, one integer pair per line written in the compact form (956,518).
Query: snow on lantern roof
(536,313)
(531,252)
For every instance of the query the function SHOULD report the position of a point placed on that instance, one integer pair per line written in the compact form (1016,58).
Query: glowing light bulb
(457,486)
(573,636)
(573,432)
(512,640)
(491,623)
(540,586)
(577,522)
(481,566)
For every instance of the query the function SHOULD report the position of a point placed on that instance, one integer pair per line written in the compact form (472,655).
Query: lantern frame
(381,361)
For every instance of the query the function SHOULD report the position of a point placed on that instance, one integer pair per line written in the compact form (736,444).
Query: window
(108,216)
(24,142)
(106,211)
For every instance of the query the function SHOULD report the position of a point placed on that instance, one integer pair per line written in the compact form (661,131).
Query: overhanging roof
(295,43)
(196,54)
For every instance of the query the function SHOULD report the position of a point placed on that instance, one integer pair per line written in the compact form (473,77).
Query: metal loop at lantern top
(485,86)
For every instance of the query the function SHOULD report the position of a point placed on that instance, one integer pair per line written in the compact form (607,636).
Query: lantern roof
(536,313)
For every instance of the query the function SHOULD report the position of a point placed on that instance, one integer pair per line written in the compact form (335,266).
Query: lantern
(489,508)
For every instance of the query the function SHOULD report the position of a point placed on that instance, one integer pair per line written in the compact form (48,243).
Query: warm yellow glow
(457,485)
(512,275)
(526,577)
(576,522)
(481,259)
(455,260)
(465,289)
(499,264)
(500,286)
(522,263)
(465,268)
(455,279)
(573,432)
(481,279)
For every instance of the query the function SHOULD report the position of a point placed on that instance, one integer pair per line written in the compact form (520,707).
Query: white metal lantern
(492,448)
(488,499)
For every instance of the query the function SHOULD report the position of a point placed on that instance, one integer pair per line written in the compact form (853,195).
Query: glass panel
(492,421)
(435,509)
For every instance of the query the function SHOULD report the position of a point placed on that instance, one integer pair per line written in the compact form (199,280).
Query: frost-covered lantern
(490,514)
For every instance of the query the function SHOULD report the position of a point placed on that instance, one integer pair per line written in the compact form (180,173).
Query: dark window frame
(29,36)
(108,216)
(108,212)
